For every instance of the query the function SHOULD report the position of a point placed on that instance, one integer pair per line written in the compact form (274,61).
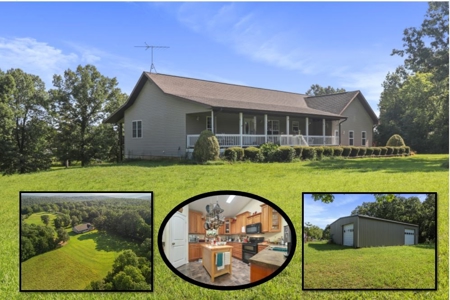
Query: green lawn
(282,184)
(86,257)
(338,267)
(36,218)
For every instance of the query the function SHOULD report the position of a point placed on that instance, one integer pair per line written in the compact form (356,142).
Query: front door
(249,126)
(348,235)
(178,243)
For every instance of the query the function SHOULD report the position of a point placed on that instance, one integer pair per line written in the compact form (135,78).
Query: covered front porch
(252,129)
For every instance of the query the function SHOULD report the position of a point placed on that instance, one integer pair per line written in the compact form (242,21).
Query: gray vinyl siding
(368,232)
(163,123)
(358,120)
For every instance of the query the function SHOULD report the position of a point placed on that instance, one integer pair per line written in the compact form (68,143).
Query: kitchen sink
(279,249)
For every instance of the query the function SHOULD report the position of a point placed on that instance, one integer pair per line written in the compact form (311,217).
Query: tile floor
(240,273)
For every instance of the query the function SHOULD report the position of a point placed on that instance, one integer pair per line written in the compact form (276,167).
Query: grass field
(338,267)
(86,257)
(36,218)
(282,184)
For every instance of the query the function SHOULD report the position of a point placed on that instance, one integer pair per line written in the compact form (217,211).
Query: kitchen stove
(250,248)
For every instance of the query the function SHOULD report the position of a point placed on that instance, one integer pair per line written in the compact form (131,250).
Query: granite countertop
(268,258)
(216,247)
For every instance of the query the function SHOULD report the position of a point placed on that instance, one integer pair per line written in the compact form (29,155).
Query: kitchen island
(265,263)
(209,259)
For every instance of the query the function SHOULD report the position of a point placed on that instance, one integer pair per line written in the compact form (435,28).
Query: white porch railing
(231,140)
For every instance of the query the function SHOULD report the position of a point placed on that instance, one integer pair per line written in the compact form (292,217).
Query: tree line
(63,123)
(128,218)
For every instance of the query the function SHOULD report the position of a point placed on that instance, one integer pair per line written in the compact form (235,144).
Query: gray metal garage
(364,231)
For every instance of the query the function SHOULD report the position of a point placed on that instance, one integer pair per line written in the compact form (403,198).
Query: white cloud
(34,57)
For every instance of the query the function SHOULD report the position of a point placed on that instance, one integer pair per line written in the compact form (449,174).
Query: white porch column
(287,125)
(323,130)
(307,129)
(212,121)
(254,124)
(265,128)
(241,125)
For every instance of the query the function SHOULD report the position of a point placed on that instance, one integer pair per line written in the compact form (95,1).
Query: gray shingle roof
(232,96)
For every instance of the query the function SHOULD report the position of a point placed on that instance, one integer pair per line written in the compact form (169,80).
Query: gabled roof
(218,95)
(337,103)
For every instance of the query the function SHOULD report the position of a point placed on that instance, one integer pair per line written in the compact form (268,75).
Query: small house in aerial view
(364,231)
(165,115)
(85,227)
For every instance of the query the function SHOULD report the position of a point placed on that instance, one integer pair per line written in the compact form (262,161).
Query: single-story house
(85,227)
(165,115)
(364,231)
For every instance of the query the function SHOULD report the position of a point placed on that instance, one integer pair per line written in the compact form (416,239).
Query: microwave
(253,228)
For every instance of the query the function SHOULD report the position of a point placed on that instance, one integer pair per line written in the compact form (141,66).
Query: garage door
(348,235)
(409,236)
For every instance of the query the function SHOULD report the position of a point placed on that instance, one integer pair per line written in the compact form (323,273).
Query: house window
(137,129)
(295,127)
(208,124)
(351,137)
(363,138)
(273,127)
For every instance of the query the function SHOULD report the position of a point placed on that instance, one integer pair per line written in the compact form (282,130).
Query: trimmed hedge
(362,151)
(376,151)
(395,141)
(369,151)
(309,153)
(239,152)
(230,154)
(390,150)
(328,151)
(319,152)
(354,151)
(346,151)
(407,150)
(206,148)
(401,150)
(285,154)
(395,150)
(252,153)
(298,151)
(337,151)
(269,151)
(383,151)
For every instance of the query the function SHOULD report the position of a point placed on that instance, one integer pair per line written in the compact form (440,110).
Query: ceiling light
(230,198)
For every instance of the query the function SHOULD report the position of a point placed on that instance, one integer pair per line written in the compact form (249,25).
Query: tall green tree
(318,90)
(82,99)
(414,102)
(45,219)
(24,111)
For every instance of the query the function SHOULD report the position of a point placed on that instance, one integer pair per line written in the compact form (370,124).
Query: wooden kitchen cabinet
(237,249)
(233,227)
(195,251)
(258,272)
(261,247)
(196,222)
(270,219)
(253,219)
(241,221)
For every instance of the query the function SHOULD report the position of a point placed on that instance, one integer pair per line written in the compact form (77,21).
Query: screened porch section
(244,129)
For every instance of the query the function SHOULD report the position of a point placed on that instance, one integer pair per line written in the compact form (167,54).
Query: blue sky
(321,214)
(282,46)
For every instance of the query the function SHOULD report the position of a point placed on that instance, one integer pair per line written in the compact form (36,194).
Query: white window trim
(142,130)
(206,125)
(270,128)
(298,127)
(351,138)
(363,138)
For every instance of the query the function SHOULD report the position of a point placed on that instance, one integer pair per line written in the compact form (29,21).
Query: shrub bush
(407,150)
(376,151)
(362,151)
(395,150)
(401,150)
(206,148)
(369,151)
(298,151)
(395,141)
(346,151)
(251,153)
(383,151)
(269,150)
(285,154)
(319,152)
(308,153)
(239,152)
(328,151)
(390,150)
(337,151)
(354,151)
(230,154)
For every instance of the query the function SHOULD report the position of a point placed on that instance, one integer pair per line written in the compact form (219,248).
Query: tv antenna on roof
(152,67)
